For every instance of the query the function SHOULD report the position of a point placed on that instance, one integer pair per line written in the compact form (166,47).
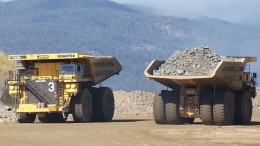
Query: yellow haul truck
(223,98)
(52,86)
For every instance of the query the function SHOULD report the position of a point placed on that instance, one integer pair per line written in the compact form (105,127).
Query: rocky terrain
(136,103)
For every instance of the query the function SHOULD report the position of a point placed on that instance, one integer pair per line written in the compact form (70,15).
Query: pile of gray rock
(193,62)
(136,103)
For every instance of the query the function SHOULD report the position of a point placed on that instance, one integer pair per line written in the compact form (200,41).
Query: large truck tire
(243,113)
(206,107)
(26,118)
(172,108)
(159,107)
(103,105)
(224,108)
(44,117)
(82,107)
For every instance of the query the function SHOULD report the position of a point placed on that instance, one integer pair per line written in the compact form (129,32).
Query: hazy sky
(240,11)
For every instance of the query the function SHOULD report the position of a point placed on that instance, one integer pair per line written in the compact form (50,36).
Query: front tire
(244,107)
(82,107)
(26,118)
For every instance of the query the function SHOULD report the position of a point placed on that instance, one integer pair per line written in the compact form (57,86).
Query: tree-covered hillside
(103,27)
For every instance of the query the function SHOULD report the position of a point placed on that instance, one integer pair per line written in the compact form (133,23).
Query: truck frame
(52,86)
(223,98)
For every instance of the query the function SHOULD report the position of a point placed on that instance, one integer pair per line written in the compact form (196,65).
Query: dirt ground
(129,131)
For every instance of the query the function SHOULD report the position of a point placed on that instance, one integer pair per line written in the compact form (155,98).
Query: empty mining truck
(52,86)
(224,97)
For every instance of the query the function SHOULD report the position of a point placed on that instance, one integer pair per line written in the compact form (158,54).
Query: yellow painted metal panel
(47,69)
(43,56)
(48,56)
(32,108)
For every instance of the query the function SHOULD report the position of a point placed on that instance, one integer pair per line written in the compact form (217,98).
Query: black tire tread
(219,108)
(240,99)
(82,103)
(206,107)
(26,118)
(159,107)
(172,108)
(102,113)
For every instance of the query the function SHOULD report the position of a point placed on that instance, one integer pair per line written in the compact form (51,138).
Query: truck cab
(73,71)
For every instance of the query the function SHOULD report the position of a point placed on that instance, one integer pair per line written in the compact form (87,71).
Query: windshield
(67,68)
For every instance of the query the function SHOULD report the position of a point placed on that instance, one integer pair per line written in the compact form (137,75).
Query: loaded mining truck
(52,86)
(224,97)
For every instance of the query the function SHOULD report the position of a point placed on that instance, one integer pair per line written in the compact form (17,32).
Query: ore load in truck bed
(196,62)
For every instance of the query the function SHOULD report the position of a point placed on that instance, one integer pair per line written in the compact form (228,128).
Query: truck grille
(41,91)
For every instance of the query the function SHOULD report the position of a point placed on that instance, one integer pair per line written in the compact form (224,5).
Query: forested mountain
(103,27)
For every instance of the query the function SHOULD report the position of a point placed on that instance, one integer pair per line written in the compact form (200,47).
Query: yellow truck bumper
(32,108)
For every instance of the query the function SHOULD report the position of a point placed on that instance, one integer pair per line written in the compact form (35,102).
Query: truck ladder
(60,92)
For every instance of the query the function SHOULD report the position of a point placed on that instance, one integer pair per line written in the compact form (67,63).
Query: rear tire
(206,108)
(172,108)
(26,118)
(103,105)
(159,107)
(82,107)
(224,108)
(244,107)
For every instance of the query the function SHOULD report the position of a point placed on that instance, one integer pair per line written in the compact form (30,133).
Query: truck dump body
(101,67)
(104,67)
(228,73)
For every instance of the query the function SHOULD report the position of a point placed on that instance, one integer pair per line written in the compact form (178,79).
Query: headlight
(11,87)
(67,86)
(73,86)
